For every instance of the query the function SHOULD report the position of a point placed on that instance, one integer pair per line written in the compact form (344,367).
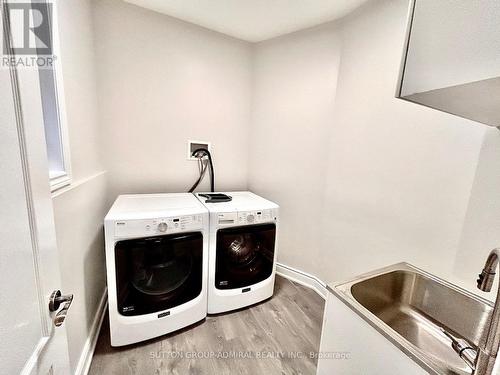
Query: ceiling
(253,20)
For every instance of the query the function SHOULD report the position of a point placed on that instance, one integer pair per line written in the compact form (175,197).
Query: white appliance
(157,265)
(242,251)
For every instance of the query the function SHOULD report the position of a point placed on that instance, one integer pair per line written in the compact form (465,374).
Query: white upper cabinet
(452,58)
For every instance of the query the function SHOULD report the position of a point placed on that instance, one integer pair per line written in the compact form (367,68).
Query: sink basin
(410,306)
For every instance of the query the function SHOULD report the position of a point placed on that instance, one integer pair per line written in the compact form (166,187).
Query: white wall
(377,179)
(161,82)
(400,175)
(294,93)
(480,230)
(360,176)
(79,209)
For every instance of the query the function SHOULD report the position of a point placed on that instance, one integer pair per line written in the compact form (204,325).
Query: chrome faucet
(490,340)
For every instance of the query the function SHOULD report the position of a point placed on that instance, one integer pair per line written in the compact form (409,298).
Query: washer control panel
(152,227)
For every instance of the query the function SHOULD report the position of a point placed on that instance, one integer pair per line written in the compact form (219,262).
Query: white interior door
(29,268)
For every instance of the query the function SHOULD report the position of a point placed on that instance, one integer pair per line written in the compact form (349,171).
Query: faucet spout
(487,276)
(490,341)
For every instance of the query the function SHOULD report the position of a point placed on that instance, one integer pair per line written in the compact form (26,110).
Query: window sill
(59,181)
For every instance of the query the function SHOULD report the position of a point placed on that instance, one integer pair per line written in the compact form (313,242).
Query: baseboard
(302,278)
(88,349)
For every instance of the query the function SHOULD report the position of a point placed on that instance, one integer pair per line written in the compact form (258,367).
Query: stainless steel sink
(412,308)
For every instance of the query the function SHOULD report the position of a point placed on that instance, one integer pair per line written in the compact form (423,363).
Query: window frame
(64,178)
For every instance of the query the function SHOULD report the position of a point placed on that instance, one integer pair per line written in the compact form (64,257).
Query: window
(54,117)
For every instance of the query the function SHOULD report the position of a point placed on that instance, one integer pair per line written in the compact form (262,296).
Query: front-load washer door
(158,273)
(244,255)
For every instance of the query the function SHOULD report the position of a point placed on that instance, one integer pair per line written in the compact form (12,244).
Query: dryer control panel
(159,226)
(254,217)
(245,217)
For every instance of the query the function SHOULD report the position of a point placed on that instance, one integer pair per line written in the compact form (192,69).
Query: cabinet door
(350,346)
(452,58)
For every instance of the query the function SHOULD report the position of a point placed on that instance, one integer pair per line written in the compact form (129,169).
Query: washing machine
(242,250)
(157,265)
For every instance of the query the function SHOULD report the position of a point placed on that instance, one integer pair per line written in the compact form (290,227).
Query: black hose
(211,164)
(200,177)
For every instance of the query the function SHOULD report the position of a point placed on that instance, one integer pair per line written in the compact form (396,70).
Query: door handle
(56,299)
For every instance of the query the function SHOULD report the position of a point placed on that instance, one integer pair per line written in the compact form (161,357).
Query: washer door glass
(245,255)
(158,273)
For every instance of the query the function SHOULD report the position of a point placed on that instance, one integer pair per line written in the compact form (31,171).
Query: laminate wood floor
(273,337)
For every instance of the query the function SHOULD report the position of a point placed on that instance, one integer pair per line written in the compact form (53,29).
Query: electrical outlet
(194,145)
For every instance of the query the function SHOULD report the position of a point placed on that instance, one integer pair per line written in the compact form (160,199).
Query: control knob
(162,227)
